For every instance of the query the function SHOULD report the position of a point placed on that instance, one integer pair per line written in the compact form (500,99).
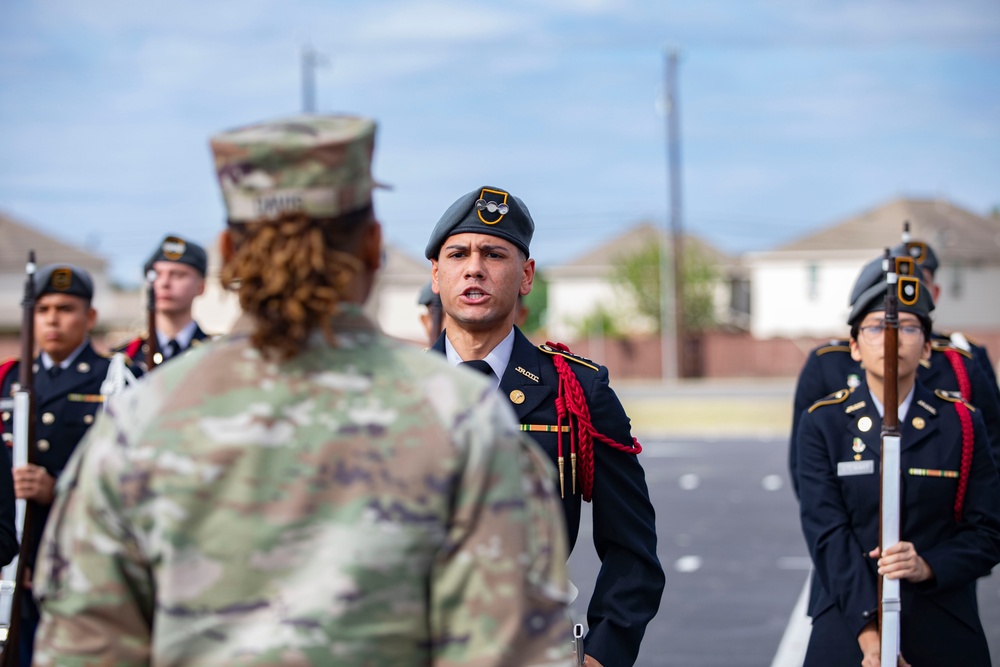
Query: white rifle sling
(890,536)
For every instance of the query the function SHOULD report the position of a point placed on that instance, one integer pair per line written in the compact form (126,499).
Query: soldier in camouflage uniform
(305,491)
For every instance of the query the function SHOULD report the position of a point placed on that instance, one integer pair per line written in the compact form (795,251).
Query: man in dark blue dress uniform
(180,267)
(480,266)
(68,378)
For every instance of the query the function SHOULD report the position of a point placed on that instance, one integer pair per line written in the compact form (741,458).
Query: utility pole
(674,232)
(311,59)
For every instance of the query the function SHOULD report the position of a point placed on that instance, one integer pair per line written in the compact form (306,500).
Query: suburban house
(802,289)
(584,285)
(16,240)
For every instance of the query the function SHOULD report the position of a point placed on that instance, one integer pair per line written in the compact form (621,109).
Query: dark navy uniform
(8,531)
(629,586)
(838,482)
(137,349)
(65,406)
(830,367)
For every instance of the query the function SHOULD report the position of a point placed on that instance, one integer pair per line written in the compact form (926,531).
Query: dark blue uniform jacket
(142,348)
(629,586)
(65,407)
(830,367)
(840,521)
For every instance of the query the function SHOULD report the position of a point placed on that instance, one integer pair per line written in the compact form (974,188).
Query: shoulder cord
(133,348)
(968,435)
(964,386)
(968,442)
(571,405)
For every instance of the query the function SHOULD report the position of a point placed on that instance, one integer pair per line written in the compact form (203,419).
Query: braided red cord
(573,401)
(968,442)
(964,386)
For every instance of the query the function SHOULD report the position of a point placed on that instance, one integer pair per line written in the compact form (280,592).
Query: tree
(537,303)
(638,275)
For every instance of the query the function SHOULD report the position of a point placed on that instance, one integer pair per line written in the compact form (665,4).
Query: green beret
(870,289)
(319,165)
(176,249)
(64,279)
(486,210)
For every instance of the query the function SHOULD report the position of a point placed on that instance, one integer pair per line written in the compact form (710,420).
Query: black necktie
(54,372)
(173,349)
(480,365)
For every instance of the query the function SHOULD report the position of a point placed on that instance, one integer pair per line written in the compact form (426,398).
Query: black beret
(64,279)
(486,210)
(921,253)
(175,249)
(869,292)
(428,297)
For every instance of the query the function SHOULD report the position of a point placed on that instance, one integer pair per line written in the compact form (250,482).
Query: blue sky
(794,113)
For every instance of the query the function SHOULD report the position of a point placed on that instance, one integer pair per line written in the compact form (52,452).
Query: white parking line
(792,649)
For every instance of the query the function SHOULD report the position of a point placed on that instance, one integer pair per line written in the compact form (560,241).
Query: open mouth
(474,294)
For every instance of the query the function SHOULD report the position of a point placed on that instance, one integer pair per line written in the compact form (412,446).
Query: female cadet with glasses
(949,505)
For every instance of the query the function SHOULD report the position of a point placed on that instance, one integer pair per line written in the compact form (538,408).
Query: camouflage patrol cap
(319,165)
(174,248)
(485,210)
(427,296)
(64,279)
(869,292)
(921,253)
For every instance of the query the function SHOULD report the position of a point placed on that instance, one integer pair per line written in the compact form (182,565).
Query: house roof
(400,264)
(600,260)
(955,233)
(17,238)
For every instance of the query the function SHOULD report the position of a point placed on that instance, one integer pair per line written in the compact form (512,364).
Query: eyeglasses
(874,332)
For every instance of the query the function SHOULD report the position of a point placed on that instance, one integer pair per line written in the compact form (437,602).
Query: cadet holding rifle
(175,277)
(949,502)
(68,375)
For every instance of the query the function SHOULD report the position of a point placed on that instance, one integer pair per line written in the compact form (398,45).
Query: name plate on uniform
(849,468)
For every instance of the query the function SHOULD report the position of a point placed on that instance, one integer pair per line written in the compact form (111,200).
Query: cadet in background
(180,266)
(949,500)
(831,367)
(69,375)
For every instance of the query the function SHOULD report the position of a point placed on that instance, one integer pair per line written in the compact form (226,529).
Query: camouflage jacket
(363,504)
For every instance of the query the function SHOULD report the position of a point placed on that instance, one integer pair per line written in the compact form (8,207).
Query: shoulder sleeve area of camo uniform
(97,606)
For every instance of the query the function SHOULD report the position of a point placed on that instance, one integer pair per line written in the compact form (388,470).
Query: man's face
(62,322)
(479,277)
(176,287)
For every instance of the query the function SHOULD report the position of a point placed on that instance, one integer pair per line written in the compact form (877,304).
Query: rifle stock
(153,355)
(25,451)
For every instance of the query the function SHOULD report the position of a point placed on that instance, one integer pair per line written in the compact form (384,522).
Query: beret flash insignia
(173,248)
(491,206)
(61,279)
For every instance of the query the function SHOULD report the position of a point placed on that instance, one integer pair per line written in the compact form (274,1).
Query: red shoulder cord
(968,436)
(968,441)
(962,375)
(571,405)
(133,348)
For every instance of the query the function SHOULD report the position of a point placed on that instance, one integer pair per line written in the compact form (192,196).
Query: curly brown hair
(292,273)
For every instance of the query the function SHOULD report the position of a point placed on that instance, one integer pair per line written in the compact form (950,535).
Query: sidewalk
(709,408)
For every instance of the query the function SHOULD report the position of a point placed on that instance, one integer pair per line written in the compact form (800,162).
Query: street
(732,549)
